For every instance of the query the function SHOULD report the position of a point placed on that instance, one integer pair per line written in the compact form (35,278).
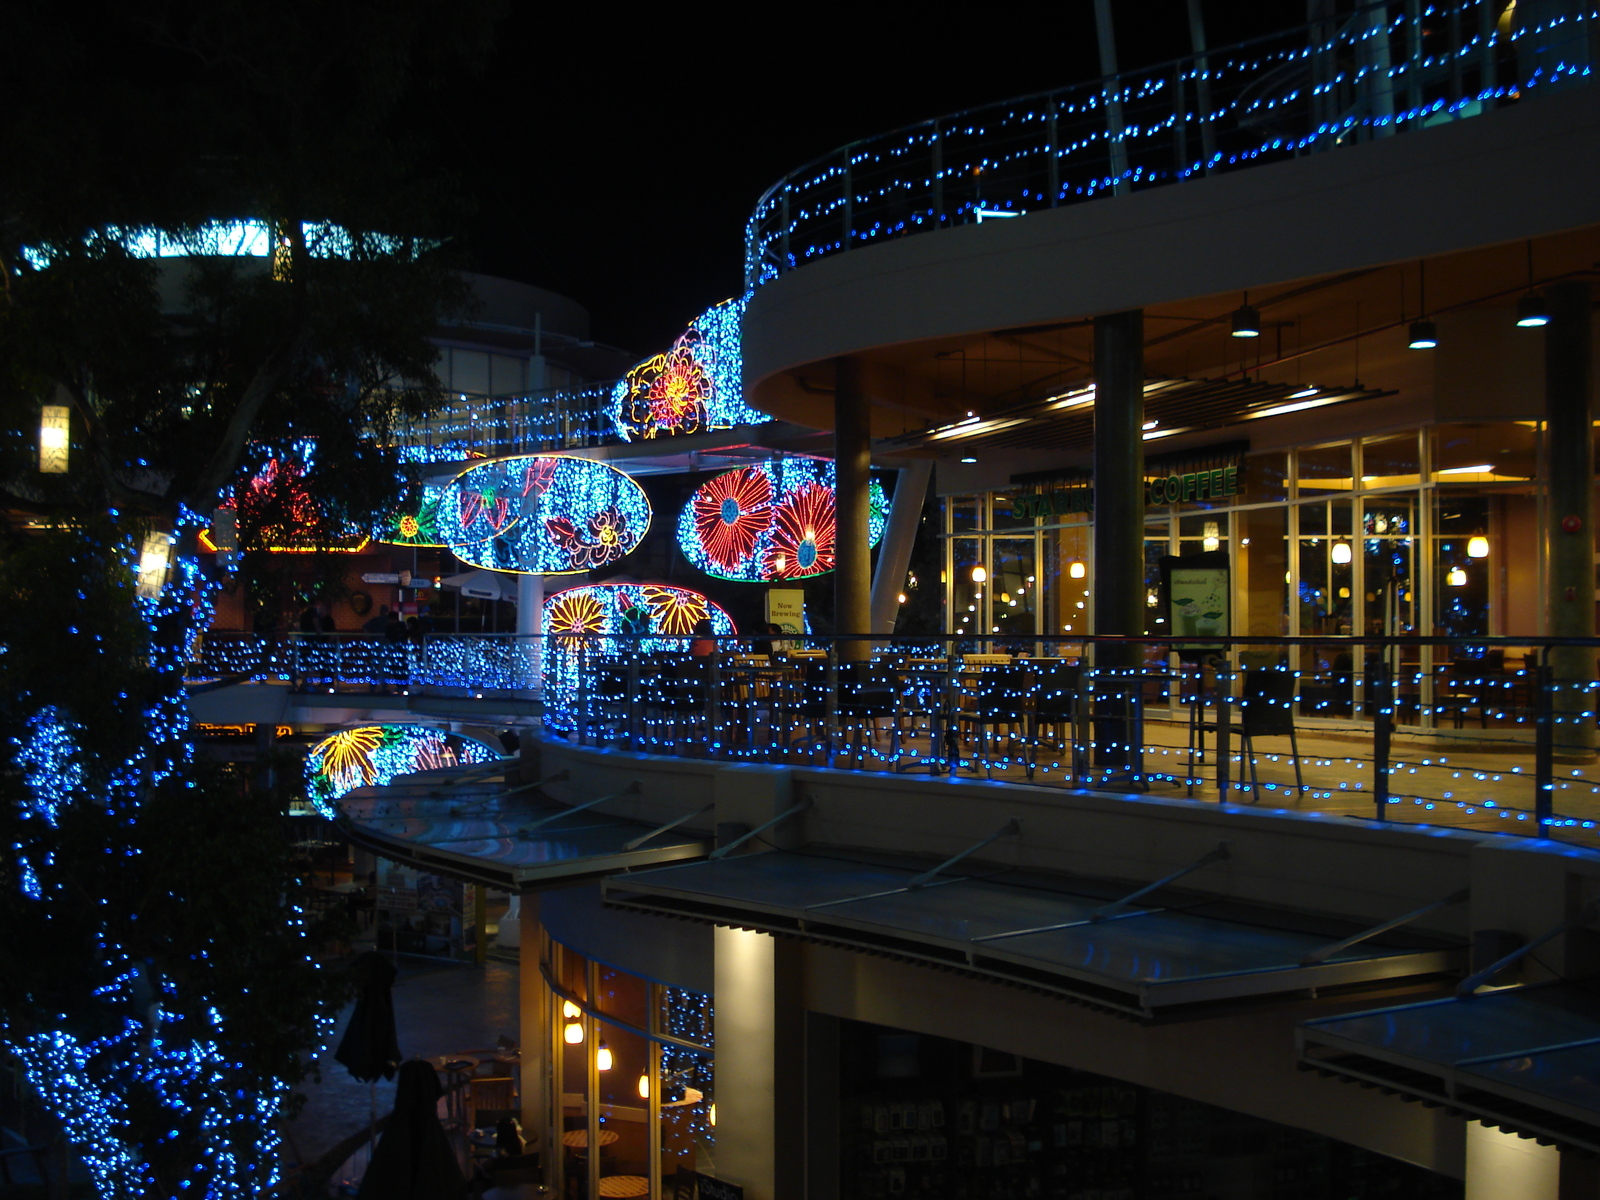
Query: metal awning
(507,839)
(1164,954)
(1526,1059)
(1171,406)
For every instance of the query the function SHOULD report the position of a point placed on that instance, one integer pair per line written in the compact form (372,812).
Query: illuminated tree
(155,978)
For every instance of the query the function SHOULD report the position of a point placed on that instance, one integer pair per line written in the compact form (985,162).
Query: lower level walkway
(440,1009)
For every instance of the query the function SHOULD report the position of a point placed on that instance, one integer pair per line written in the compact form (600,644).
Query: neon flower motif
(802,534)
(607,540)
(731,512)
(694,386)
(731,526)
(675,610)
(376,754)
(415,525)
(572,614)
(614,620)
(678,394)
(556,515)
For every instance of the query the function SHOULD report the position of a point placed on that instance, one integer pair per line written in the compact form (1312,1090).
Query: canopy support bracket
(1327,952)
(672,824)
(1011,828)
(724,851)
(630,790)
(1220,854)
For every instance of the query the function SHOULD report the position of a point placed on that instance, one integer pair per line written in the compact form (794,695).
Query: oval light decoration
(769,521)
(372,755)
(616,619)
(542,514)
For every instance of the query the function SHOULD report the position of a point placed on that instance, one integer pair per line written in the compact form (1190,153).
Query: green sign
(1166,489)
(1196,485)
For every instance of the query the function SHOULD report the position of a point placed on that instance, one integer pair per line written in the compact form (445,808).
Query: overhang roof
(1526,1059)
(1167,954)
(484,833)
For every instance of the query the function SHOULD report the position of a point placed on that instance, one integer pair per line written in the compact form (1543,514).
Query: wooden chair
(489,1098)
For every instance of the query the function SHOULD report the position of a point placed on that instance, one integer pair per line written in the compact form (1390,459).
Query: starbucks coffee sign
(1215,484)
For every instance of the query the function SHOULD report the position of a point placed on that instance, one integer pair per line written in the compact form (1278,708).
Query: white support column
(759,1065)
(1503,1166)
(530,623)
(894,552)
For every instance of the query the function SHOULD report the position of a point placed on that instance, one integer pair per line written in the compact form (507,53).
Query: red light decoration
(803,532)
(731,512)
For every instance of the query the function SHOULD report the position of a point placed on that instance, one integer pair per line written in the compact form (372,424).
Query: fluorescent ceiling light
(1481,469)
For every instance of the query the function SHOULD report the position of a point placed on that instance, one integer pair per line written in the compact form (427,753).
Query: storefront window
(1065,581)
(1463,563)
(626,1087)
(1264,478)
(1326,557)
(1390,462)
(1156,546)
(1388,540)
(624,996)
(1261,564)
(1014,590)
(966,594)
(1323,469)
(963,513)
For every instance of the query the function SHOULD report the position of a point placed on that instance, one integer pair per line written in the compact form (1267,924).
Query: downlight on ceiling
(1532,311)
(1246,321)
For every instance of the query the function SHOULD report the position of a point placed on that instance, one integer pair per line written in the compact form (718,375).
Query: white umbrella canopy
(483,585)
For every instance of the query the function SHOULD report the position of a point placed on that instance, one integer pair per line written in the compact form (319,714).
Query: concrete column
(530,623)
(760,1065)
(1119,473)
(1569,589)
(539,1114)
(852,455)
(1503,1166)
(894,552)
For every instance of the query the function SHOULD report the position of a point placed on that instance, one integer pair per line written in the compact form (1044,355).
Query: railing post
(938,174)
(1224,750)
(1053,154)
(583,692)
(1544,745)
(849,202)
(1381,685)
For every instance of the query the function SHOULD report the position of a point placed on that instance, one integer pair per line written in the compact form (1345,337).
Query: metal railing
(528,423)
(1387,68)
(1495,734)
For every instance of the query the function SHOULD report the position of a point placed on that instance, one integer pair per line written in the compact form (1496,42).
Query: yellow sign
(786,608)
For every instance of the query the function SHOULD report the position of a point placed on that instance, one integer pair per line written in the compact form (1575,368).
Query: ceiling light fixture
(1532,311)
(1246,320)
(1424,335)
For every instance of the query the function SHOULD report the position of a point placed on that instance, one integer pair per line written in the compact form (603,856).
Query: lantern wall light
(1341,552)
(54,426)
(1478,547)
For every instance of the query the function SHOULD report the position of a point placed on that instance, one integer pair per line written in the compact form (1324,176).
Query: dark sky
(614,154)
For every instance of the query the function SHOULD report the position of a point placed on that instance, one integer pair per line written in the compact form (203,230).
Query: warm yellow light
(602,1058)
(1341,552)
(573,1033)
(644,1087)
(902,597)
(1457,577)
(1478,547)
(1209,544)
(570,1011)
(1078,570)
(979,575)
(53,431)
(711,1114)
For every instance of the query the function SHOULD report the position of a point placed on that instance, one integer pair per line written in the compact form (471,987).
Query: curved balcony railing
(1388,68)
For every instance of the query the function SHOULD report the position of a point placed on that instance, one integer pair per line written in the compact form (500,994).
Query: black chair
(867,695)
(1266,709)
(1058,704)
(1000,696)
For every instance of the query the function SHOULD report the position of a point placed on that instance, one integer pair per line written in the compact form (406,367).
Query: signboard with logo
(1196,588)
(1163,486)
(786,608)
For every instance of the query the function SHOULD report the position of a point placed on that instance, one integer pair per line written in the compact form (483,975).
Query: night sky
(614,155)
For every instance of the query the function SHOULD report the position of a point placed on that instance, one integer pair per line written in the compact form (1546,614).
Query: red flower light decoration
(670,393)
(802,534)
(730,513)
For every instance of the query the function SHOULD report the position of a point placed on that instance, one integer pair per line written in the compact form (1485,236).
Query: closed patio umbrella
(413,1159)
